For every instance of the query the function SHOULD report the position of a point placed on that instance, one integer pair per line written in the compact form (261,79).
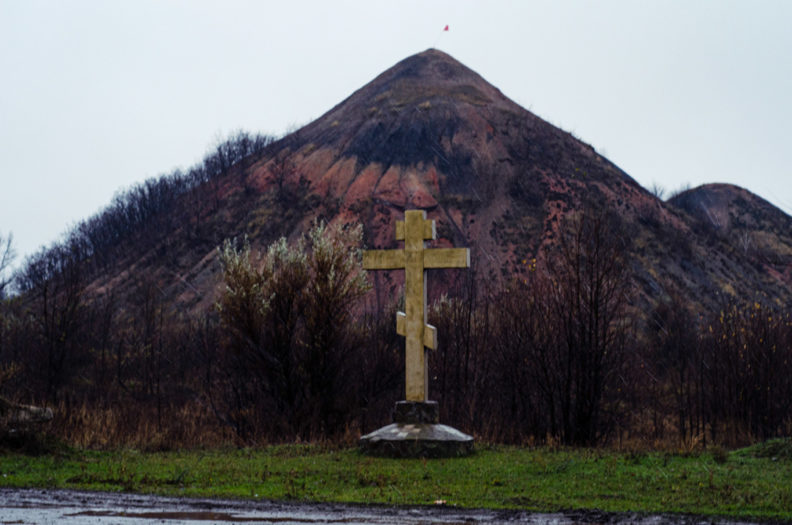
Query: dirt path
(35,506)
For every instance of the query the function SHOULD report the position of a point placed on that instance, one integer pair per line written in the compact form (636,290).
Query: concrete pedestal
(416,432)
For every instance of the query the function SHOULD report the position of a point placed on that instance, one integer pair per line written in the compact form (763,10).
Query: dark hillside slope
(430,133)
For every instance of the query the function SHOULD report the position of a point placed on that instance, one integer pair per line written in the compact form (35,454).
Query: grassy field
(750,483)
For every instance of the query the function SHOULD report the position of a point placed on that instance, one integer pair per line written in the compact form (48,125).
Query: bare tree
(54,283)
(526,367)
(7,255)
(588,300)
(290,184)
(658,191)
(747,358)
(679,191)
(675,354)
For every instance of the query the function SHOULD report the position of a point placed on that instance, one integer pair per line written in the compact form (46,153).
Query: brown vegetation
(558,355)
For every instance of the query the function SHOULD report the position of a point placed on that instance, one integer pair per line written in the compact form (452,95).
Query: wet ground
(31,506)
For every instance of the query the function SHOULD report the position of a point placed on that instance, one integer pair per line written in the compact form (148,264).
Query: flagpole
(445,30)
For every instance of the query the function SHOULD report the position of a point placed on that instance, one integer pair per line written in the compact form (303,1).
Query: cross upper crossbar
(415,258)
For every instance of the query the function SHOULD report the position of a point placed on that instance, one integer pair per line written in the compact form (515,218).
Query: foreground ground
(65,507)
(748,484)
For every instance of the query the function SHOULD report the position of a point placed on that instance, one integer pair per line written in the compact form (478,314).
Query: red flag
(446,28)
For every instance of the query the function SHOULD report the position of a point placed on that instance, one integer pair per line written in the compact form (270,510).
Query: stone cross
(415,259)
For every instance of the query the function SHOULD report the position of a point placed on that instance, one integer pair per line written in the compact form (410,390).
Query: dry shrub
(132,425)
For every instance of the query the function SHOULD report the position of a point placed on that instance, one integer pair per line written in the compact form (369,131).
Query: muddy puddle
(29,506)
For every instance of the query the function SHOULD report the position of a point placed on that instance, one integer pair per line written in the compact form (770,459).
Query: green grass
(740,484)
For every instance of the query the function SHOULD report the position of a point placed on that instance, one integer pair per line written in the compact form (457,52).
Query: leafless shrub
(291,333)
(658,190)
(747,358)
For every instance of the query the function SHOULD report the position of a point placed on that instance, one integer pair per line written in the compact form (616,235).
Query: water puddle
(214,517)
(43,507)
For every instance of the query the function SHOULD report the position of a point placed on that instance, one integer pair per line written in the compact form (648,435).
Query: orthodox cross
(415,259)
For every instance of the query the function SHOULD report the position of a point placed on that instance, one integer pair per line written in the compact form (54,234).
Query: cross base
(416,412)
(416,433)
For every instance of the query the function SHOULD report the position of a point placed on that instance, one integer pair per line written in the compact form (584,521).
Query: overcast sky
(98,95)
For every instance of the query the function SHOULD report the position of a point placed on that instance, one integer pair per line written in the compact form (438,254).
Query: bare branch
(7,256)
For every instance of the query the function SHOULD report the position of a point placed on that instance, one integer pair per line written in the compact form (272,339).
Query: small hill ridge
(751,226)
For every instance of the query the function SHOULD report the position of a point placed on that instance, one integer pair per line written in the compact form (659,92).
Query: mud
(31,506)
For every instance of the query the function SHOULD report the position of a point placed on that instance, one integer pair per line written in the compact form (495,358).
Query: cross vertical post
(416,376)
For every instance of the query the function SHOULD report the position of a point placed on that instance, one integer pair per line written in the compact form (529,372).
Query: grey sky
(98,95)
